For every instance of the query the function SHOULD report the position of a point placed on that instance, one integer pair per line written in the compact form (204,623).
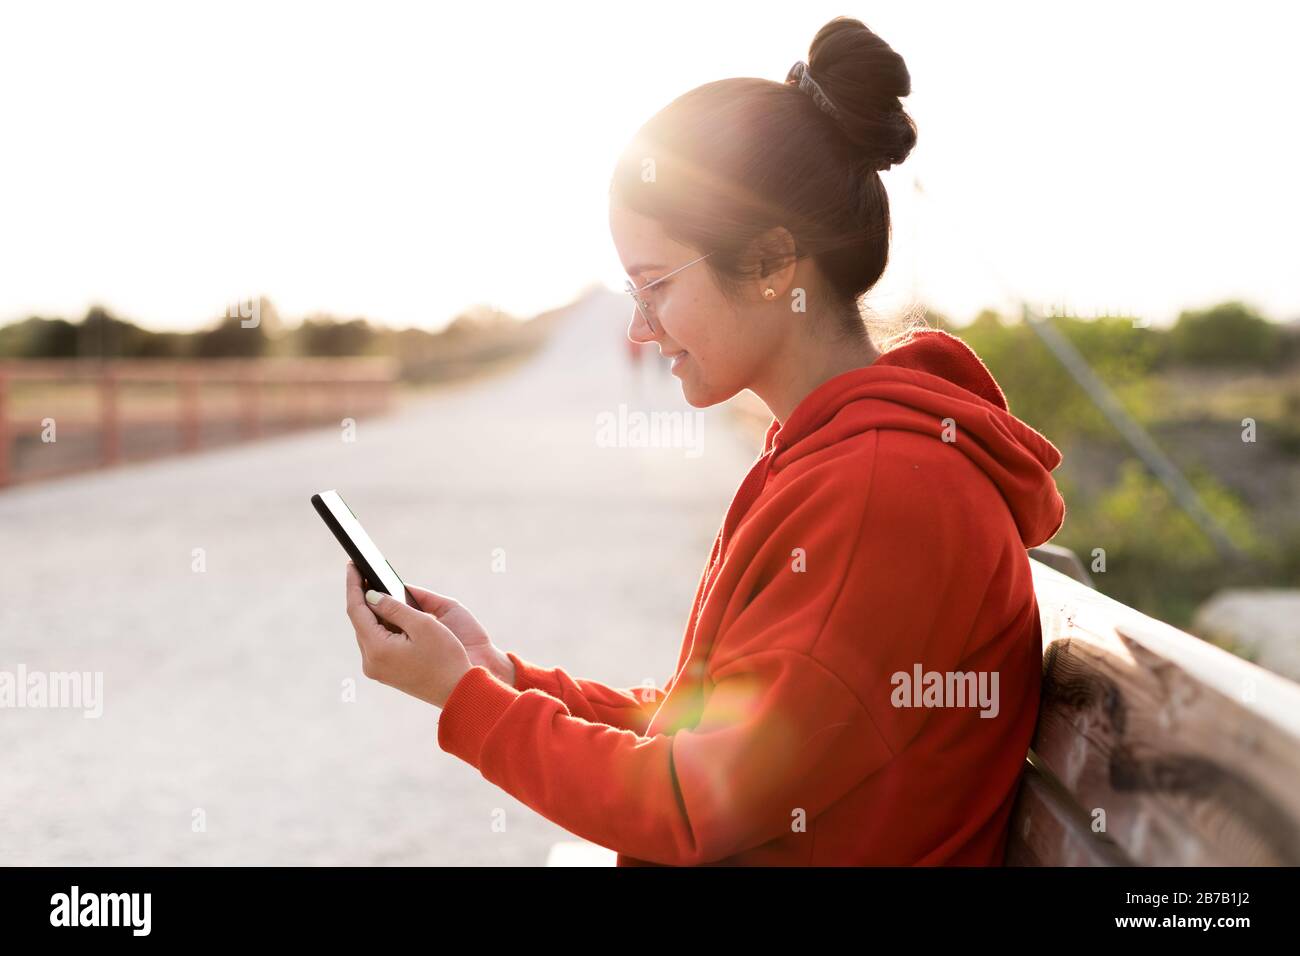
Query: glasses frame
(641,305)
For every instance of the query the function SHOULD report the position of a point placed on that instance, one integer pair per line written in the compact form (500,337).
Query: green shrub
(1042,393)
(1157,558)
(1226,334)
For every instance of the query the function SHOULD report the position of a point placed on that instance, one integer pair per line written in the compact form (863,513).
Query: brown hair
(727,161)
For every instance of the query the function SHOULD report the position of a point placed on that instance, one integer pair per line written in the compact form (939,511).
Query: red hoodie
(869,581)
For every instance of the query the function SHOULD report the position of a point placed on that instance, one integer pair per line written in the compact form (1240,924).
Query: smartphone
(376,572)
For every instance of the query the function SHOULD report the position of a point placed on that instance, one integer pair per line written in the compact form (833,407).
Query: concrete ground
(225,737)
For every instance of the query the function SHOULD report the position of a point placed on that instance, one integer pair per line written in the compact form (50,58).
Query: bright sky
(402,162)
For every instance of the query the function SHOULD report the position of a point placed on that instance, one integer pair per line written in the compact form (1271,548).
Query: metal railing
(253,397)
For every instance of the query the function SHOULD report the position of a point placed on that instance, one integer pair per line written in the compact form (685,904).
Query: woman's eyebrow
(642,268)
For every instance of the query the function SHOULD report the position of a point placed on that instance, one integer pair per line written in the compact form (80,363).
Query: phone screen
(352,528)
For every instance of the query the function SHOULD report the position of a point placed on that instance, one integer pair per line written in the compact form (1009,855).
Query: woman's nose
(638,329)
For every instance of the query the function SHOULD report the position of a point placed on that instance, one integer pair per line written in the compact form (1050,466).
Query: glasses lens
(643,307)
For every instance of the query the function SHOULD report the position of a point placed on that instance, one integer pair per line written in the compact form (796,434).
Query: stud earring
(769,293)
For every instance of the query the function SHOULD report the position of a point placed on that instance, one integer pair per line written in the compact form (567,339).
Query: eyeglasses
(642,305)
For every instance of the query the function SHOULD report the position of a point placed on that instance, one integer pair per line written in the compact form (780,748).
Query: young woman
(859,678)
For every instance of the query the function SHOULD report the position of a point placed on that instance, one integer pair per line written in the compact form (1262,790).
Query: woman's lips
(678,359)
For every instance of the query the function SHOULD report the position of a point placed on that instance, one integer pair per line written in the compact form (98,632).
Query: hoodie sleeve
(626,709)
(779,739)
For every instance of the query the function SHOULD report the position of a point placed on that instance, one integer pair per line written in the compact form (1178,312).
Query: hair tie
(799,76)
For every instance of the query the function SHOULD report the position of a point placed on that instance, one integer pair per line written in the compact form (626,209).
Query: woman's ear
(775,252)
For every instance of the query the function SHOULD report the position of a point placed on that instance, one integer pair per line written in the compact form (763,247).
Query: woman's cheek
(698,335)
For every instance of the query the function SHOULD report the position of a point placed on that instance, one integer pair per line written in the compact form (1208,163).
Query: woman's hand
(425,659)
(457,618)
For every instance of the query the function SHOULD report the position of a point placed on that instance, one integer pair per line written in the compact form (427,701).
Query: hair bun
(865,79)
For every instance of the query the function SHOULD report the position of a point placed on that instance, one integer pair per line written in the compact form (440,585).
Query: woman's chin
(698,397)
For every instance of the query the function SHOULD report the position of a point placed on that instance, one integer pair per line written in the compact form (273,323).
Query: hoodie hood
(920,384)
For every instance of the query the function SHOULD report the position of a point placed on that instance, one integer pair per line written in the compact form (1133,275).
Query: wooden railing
(239,399)
(1153,747)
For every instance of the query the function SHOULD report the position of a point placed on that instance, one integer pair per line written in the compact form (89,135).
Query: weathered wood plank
(1191,753)
(1049,829)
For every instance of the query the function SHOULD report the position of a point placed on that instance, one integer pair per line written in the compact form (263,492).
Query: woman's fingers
(436,604)
(363,619)
(399,613)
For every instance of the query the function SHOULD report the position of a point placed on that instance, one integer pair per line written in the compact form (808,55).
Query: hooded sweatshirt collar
(932,383)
